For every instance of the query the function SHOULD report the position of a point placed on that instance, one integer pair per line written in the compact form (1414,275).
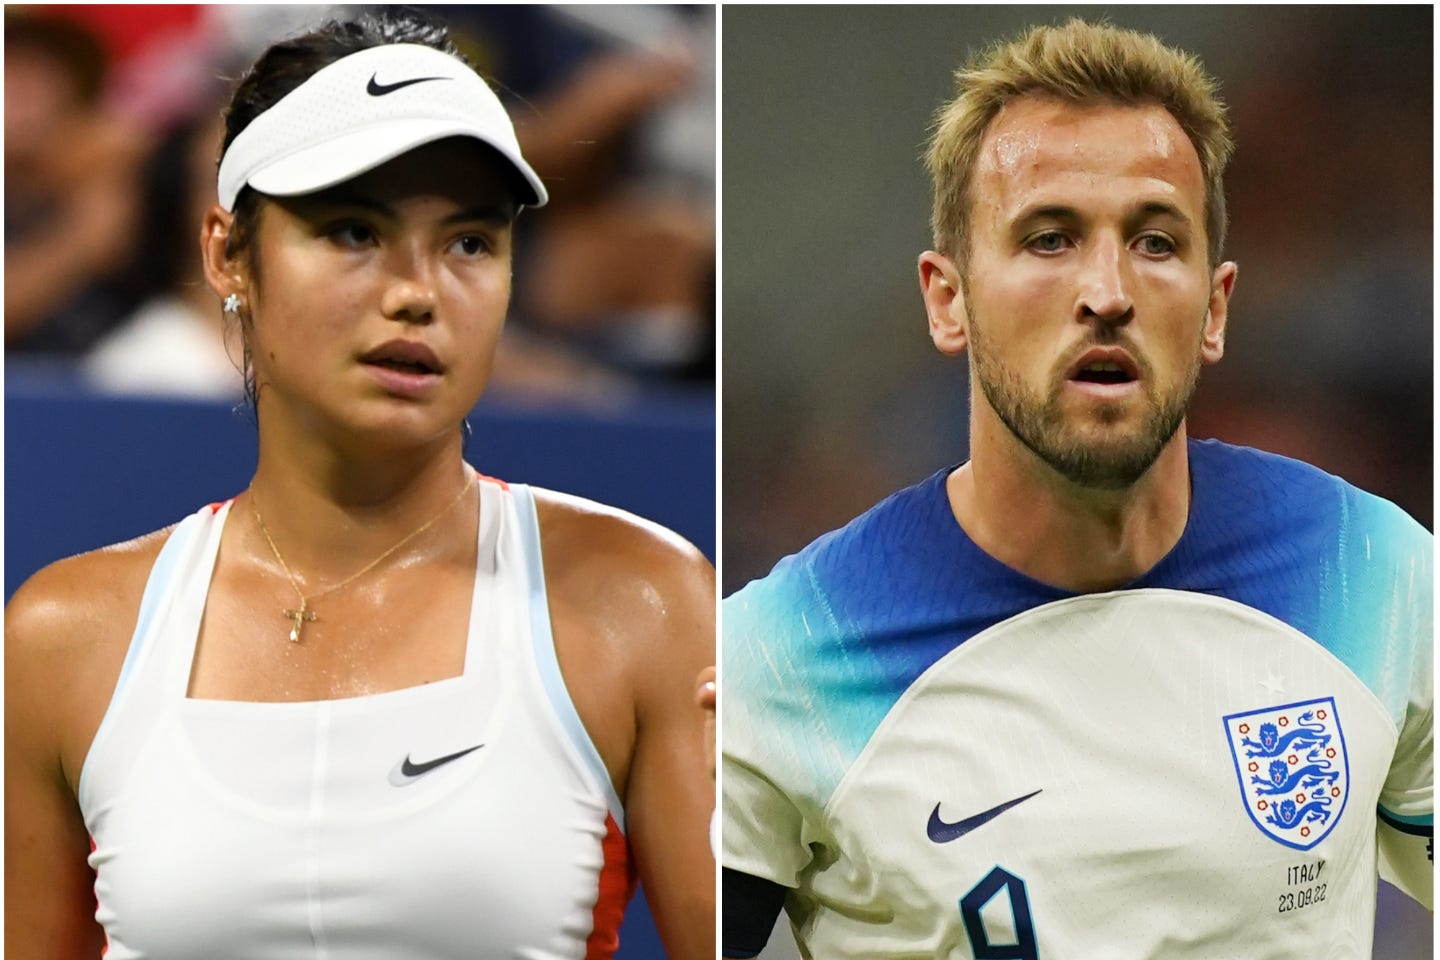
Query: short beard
(1039,423)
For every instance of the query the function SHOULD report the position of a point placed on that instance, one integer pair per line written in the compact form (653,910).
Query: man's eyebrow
(1158,208)
(1058,211)
(1045,211)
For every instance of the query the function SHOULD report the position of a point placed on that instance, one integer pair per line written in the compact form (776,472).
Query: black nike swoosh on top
(942,832)
(380,89)
(409,769)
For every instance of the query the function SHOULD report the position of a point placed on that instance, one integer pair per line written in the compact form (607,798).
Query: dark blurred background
(833,396)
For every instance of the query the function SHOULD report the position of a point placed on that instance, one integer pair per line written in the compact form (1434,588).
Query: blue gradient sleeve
(1376,609)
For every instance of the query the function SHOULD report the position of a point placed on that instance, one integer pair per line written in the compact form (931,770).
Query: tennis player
(1102,690)
(378,705)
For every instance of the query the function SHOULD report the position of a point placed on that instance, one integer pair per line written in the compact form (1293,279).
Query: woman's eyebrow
(499,214)
(494,213)
(345,198)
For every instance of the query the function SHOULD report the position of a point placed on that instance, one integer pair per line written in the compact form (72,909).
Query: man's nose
(1105,285)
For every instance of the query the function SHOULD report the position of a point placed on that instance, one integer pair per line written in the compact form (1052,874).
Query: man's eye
(1156,245)
(1051,241)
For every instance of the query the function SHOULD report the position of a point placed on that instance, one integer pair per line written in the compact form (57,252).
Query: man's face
(1089,300)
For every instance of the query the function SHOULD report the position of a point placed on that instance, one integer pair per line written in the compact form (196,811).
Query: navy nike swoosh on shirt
(415,769)
(380,89)
(942,832)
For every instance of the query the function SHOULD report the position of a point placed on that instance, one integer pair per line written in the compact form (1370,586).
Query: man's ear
(944,303)
(1217,314)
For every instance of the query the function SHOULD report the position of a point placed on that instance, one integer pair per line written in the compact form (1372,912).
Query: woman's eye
(353,235)
(471,245)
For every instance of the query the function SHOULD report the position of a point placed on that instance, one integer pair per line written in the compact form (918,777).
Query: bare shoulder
(589,539)
(66,602)
(66,633)
(621,571)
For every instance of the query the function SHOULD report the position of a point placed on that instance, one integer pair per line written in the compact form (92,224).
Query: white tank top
(470,817)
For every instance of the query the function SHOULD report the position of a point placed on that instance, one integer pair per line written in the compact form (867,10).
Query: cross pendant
(301,617)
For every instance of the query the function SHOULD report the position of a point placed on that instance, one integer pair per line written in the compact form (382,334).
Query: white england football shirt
(942,757)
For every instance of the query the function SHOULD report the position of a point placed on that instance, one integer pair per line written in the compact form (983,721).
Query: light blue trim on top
(547,663)
(156,588)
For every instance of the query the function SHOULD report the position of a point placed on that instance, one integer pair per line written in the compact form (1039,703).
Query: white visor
(362,111)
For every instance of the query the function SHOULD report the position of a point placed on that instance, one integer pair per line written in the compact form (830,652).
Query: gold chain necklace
(303,614)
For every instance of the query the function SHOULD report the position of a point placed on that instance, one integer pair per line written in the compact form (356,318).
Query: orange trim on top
(617,886)
(496,480)
(94,888)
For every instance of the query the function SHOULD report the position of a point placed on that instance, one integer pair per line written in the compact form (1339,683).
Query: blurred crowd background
(833,396)
(112,135)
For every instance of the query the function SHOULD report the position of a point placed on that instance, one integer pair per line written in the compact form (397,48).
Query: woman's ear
(226,274)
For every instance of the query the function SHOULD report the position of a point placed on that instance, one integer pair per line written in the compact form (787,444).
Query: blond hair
(1081,62)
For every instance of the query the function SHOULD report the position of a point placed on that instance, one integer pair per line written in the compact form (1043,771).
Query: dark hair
(285,66)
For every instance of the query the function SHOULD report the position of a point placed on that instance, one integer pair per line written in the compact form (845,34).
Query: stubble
(1111,458)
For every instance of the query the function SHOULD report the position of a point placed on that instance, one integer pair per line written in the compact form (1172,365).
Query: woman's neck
(330,511)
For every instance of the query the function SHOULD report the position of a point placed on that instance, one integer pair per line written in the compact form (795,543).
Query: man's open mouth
(1105,365)
(1105,372)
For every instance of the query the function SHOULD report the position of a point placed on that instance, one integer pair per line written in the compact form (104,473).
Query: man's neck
(1021,512)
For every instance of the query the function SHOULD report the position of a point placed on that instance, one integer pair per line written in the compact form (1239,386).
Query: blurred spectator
(159,56)
(176,342)
(71,194)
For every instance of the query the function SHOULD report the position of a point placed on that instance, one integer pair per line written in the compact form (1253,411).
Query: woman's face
(375,305)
